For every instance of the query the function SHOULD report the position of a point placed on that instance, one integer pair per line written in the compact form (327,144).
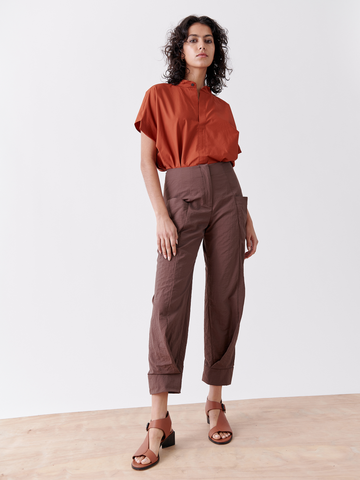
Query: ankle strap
(211,405)
(163,424)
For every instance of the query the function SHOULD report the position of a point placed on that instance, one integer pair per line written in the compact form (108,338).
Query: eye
(209,41)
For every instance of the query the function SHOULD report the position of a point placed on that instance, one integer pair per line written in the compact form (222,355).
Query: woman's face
(199,47)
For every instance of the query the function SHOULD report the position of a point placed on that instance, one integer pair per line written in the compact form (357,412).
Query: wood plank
(274,438)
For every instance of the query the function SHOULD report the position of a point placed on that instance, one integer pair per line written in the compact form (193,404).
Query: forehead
(199,29)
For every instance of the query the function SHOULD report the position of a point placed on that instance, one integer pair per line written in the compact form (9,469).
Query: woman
(189,132)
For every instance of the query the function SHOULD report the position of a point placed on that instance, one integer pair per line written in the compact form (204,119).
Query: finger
(250,252)
(249,246)
(249,243)
(168,248)
(253,248)
(173,246)
(163,247)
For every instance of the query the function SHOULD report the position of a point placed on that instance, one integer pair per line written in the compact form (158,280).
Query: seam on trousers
(209,193)
(239,257)
(239,269)
(209,316)
(208,283)
(172,285)
(203,180)
(166,315)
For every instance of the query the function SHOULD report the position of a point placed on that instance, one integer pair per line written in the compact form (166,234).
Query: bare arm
(166,232)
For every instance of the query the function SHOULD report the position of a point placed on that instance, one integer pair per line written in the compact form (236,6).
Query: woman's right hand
(166,236)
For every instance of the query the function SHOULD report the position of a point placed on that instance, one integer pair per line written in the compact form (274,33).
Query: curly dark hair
(216,72)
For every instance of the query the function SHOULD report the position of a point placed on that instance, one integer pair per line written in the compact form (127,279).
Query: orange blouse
(188,130)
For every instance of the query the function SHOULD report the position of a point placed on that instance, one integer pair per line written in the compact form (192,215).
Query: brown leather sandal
(222,423)
(168,440)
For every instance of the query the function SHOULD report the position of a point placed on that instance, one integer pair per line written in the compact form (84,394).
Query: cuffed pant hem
(213,376)
(164,383)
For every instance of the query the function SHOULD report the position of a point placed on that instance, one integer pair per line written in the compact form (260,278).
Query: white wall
(78,247)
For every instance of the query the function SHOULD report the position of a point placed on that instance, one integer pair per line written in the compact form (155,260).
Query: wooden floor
(278,438)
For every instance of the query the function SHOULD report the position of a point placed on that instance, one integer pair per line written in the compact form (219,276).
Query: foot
(155,436)
(214,415)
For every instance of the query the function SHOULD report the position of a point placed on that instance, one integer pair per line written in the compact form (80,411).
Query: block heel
(169,441)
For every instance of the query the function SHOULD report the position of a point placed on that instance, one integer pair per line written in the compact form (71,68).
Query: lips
(201,55)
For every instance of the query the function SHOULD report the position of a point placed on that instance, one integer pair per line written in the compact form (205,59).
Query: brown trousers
(206,204)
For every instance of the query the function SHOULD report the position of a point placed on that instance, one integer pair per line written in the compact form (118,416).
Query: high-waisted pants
(205,203)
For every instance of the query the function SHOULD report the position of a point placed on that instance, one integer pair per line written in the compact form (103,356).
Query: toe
(145,461)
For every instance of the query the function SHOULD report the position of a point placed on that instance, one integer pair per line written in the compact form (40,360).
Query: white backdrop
(78,247)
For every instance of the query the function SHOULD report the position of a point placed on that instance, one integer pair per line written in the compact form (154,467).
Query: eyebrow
(195,35)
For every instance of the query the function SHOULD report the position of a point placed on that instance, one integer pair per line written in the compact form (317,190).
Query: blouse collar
(190,84)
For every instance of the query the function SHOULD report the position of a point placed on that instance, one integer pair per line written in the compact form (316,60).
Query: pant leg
(184,197)
(224,249)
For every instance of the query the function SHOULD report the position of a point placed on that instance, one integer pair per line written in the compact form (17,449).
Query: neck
(197,76)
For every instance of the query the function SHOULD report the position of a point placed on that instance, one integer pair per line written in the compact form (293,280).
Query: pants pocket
(178,211)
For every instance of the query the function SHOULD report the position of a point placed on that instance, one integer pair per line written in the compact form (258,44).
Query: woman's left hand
(251,238)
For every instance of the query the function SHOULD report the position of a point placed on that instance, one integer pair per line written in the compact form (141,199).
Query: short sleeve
(232,121)
(146,118)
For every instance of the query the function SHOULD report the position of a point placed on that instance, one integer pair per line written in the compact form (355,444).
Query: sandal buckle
(147,426)
(223,407)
